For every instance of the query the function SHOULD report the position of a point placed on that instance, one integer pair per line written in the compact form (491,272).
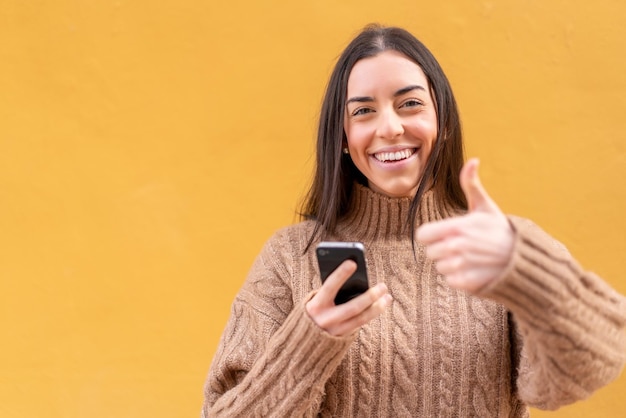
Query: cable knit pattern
(485,321)
(404,317)
(545,334)
(365,374)
(446,350)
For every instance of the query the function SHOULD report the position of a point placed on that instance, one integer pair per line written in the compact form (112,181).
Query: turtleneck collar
(374,216)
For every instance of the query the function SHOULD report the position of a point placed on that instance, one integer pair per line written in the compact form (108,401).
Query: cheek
(357,136)
(426,129)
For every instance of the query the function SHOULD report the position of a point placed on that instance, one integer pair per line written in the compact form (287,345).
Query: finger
(466,264)
(362,302)
(329,319)
(373,311)
(446,248)
(450,265)
(336,279)
(477,197)
(471,247)
(439,230)
(471,280)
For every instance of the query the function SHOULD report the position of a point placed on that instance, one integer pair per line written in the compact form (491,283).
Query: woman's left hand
(474,249)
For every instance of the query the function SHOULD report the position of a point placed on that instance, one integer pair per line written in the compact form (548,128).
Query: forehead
(390,69)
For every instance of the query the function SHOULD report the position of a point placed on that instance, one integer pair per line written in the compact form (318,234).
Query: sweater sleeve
(272,359)
(568,323)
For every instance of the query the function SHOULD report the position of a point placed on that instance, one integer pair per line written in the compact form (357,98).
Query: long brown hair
(328,198)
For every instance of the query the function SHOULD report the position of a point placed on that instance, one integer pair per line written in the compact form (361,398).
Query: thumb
(475,193)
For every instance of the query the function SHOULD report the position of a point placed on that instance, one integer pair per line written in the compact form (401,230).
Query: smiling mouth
(388,157)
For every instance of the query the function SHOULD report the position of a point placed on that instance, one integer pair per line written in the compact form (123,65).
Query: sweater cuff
(538,277)
(313,353)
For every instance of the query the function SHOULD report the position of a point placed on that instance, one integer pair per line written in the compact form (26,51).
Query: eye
(412,103)
(361,111)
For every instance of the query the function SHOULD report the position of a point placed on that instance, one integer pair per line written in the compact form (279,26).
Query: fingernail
(388,299)
(350,265)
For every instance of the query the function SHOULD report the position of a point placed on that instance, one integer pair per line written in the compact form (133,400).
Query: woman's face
(390,122)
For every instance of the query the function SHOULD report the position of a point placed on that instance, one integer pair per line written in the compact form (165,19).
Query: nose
(389,125)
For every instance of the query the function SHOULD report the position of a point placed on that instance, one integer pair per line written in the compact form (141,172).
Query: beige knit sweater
(546,334)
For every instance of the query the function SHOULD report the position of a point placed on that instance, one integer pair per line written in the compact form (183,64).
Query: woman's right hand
(344,319)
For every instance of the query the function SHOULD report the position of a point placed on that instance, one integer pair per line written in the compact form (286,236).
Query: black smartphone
(331,254)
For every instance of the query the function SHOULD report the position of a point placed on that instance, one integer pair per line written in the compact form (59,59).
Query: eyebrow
(404,90)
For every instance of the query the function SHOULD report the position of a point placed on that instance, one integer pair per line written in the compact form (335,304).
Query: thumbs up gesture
(474,249)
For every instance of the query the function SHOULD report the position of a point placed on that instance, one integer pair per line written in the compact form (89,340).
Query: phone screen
(331,254)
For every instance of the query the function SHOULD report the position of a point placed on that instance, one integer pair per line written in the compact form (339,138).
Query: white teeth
(394,156)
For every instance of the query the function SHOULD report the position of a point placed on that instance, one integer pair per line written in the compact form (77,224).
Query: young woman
(470,313)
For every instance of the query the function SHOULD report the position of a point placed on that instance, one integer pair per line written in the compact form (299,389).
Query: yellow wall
(149,148)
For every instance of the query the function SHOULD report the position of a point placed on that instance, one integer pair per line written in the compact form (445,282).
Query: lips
(393,156)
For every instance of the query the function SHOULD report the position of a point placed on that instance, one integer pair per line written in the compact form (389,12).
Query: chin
(396,191)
